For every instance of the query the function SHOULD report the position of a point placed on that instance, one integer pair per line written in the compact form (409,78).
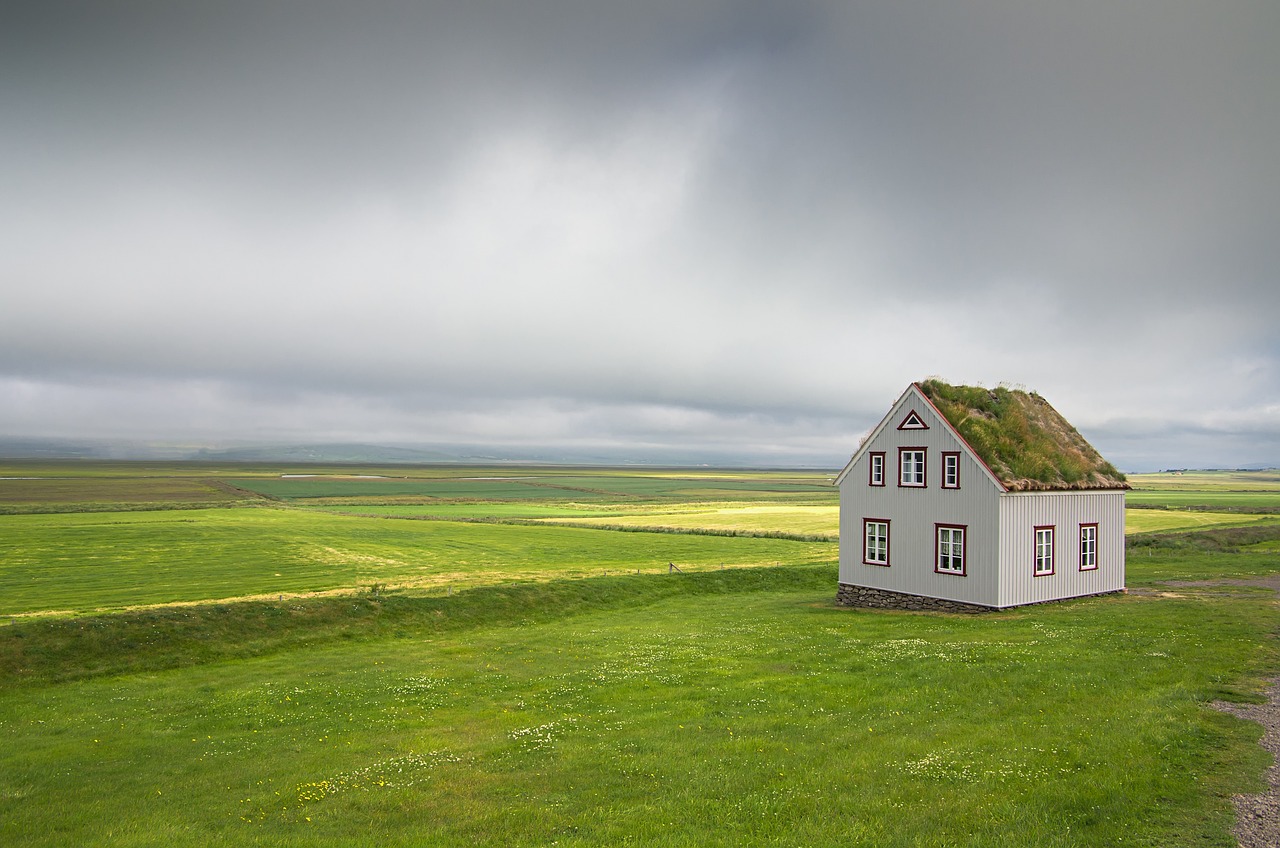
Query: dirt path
(1258,816)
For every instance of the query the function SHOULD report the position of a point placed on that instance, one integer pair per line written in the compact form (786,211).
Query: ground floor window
(876,549)
(1044,551)
(950,549)
(1088,547)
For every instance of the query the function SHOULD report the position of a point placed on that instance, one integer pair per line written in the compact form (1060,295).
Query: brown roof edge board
(1025,442)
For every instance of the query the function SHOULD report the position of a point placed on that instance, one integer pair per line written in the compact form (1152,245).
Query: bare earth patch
(1258,816)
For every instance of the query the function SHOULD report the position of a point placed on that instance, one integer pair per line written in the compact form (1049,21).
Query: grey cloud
(746,212)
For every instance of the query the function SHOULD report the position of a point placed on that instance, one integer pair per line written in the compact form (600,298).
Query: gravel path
(1258,816)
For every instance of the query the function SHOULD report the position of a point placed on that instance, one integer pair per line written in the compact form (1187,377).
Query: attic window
(877,469)
(951,470)
(913,422)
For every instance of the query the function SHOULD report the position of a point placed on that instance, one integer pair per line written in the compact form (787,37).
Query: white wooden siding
(912,513)
(1022,512)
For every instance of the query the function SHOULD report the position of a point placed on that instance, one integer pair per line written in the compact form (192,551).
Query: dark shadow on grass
(1211,540)
(45,651)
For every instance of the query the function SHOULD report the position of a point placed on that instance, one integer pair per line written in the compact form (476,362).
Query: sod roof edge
(1025,442)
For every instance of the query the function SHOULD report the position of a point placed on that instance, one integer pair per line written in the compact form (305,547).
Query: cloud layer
(687,224)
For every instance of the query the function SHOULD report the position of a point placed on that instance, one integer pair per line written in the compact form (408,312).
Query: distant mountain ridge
(374,454)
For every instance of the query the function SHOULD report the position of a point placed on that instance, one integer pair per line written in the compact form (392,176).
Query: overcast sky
(735,228)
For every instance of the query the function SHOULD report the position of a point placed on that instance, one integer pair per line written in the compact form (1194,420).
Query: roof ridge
(1026,443)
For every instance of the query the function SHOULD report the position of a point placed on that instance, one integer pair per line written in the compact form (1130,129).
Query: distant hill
(22,448)
(324,453)
(25,448)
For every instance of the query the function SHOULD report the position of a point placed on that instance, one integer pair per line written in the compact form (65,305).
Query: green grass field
(87,561)
(1267,481)
(456,688)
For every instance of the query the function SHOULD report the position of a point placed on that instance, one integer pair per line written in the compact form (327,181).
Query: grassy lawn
(87,561)
(723,708)
(483,700)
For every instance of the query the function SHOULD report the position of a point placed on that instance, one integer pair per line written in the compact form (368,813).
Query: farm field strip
(604,485)
(1209,481)
(808,519)
(529,509)
(1159,520)
(1265,499)
(83,562)
(68,491)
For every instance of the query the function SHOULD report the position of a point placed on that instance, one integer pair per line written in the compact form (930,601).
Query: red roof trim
(962,439)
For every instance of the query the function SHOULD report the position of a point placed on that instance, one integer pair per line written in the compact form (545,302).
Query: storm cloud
(639,227)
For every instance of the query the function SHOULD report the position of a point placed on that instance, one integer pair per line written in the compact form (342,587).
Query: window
(877,469)
(1044,551)
(911,467)
(951,470)
(949,557)
(876,550)
(1088,547)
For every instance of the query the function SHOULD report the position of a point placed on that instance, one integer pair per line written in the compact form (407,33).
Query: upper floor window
(1088,547)
(950,549)
(877,469)
(1044,551)
(951,470)
(876,551)
(911,467)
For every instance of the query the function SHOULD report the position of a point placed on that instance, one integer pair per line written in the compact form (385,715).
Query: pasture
(465,674)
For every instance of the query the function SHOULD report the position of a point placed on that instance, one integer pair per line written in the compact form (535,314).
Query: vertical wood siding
(1022,512)
(912,514)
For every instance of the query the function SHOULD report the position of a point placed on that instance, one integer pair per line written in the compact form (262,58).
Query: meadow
(444,669)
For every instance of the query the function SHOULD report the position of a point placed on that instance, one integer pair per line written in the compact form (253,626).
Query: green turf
(87,561)
(1152,520)
(724,708)
(491,702)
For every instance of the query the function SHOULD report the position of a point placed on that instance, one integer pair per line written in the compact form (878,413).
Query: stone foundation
(865,596)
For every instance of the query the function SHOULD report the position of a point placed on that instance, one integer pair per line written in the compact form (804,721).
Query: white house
(965,497)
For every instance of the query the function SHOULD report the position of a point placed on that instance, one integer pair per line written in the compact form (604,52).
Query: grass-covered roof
(1022,439)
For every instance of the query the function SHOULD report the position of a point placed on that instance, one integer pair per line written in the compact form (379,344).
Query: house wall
(1021,512)
(912,514)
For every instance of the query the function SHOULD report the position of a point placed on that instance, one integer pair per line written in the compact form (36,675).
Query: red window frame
(964,549)
(871,468)
(924,468)
(1093,546)
(865,559)
(1035,567)
(950,456)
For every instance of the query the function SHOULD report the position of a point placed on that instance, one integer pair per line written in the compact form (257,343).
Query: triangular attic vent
(913,422)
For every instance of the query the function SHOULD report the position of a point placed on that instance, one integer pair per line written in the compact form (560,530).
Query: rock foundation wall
(865,596)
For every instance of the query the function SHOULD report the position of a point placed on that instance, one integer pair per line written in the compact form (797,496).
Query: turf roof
(1022,439)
